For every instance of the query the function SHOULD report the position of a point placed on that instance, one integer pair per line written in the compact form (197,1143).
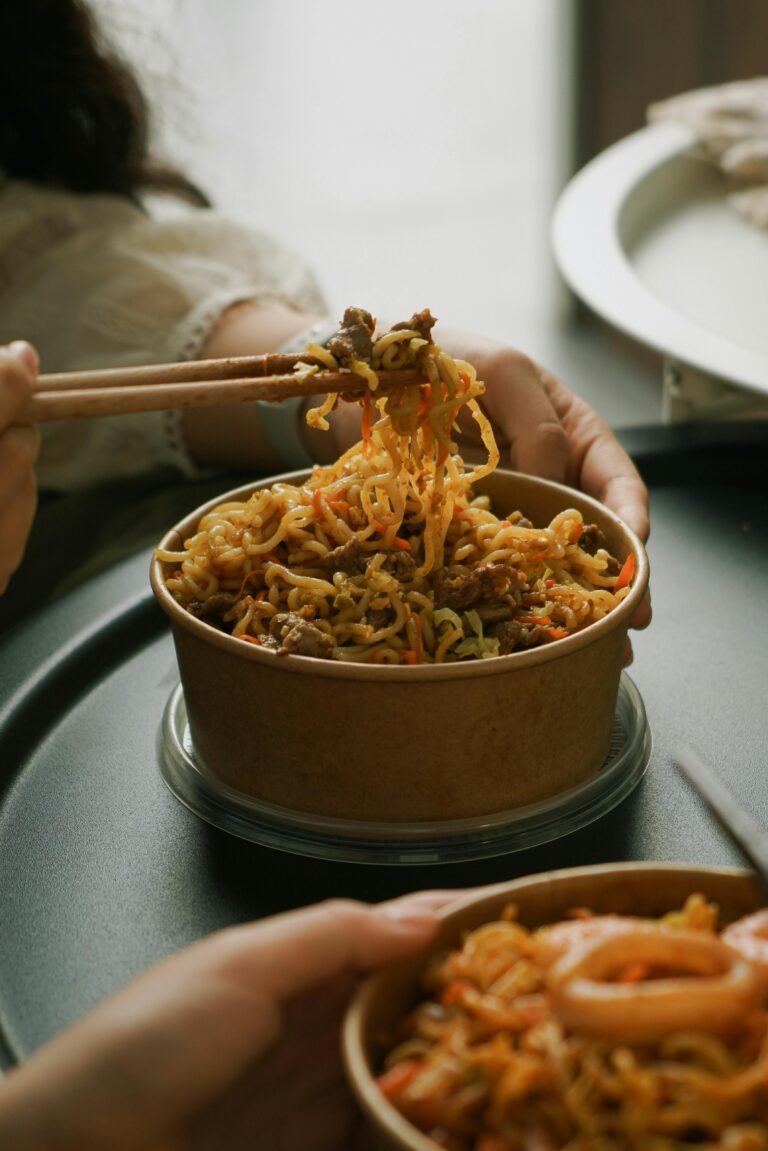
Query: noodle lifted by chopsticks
(387,556)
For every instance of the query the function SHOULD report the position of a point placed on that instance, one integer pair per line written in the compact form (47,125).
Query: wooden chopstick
(742,827)
(185,371)
(93,395)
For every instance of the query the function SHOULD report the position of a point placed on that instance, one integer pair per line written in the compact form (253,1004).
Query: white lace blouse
(92,281)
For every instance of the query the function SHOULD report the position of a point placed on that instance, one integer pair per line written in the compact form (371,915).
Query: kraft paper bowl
(411,743)
(644,889)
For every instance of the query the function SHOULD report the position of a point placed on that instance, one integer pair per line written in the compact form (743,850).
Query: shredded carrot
(624,578)
(247,576)
(367,423)
(392,1081)
(558,632)
(426,399)
(261,595)
(549,583)
(541,620)
(454,992)
(251,639)
(338,505)
(634,972)
(577,533)
(411,657)
(402,544)
(317,503)
(458,511)
(380,527)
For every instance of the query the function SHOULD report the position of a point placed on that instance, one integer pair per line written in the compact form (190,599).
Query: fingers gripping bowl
(384,742)
(646,1032)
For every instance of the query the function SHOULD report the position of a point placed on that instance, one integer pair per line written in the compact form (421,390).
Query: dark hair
(72,114)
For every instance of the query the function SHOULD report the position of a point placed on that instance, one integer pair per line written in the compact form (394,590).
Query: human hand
(542,428)
(233,1042)
(19,446)
(547,431)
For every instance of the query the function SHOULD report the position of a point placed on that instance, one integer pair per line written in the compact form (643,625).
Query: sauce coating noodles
(388,556)
(670,1050)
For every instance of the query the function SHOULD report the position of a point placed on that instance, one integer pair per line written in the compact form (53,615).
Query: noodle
(489,1062)
(388,555)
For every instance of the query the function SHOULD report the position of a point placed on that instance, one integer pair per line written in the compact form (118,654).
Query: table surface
(103,872)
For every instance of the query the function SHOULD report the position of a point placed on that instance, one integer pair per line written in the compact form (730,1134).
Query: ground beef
(400,564)
(421,322)
(300,637)
(348,558)
(216,604)
(591,539)
(494,613)
(513,637)
(490,586)
(379,617)
(353,341)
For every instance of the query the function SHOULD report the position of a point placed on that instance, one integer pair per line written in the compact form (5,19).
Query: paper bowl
(411,743)
(645,889)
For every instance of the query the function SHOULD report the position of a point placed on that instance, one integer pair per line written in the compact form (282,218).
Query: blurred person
(19,445)
(93,279)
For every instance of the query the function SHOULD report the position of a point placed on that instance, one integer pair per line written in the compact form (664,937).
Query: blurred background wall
(413,150)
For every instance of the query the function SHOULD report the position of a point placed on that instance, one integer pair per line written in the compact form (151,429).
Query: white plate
(645,236)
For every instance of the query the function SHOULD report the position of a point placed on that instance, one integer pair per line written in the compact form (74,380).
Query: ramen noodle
(389,555)
(601,1033)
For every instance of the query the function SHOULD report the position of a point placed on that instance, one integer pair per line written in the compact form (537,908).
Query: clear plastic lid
(446,841)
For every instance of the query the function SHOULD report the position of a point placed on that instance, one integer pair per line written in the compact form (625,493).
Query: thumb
(292,953)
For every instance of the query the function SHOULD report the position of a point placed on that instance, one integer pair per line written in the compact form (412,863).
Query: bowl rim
(375,1106)
(339,669)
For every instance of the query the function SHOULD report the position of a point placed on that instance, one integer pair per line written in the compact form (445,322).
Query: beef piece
(401,565)
(348,558)
(422,322)
(494,613)
(216,604)
(591,539)
(460,590)
(358,316)
(512,637)
(509,636)
(356,517)
(519,520)
(379,617)
(353,340)
(300,637)
(612,566)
